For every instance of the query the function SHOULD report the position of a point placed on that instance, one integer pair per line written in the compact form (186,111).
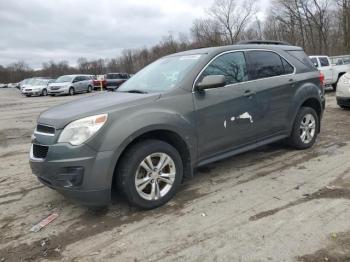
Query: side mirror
(211,81)
(316,65)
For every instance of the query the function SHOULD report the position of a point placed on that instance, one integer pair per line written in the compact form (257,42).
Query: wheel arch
(315,104)
(166,135)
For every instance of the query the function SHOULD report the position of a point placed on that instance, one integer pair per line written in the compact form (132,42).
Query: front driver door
(225,115)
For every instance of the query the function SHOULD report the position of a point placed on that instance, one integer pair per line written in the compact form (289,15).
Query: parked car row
(69,84)
(9,85)
(332,72)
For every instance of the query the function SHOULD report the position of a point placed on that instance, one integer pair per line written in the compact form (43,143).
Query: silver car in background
(37,86)
(71,84)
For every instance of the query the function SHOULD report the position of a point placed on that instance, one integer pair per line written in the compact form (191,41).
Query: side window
(288,68)
(314,61)
(231,65)
(265,64)
(324,61)
(76,79)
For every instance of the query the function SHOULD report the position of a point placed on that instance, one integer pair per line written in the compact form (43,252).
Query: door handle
(248,93)
(292,82)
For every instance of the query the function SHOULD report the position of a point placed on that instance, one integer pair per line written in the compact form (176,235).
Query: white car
(331,72)
(37,86)
(343,91)
(71,84)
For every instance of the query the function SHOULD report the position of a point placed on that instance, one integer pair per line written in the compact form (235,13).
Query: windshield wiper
(136,91)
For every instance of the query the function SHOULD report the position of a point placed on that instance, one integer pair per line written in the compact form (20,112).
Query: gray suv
(182,111)
(71,84)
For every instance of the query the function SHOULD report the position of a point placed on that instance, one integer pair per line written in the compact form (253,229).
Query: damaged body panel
(182,111)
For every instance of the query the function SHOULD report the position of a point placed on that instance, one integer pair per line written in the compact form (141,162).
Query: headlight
(77,132)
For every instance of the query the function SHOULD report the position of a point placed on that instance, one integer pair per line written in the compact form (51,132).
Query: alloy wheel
(307,128)
(155,176)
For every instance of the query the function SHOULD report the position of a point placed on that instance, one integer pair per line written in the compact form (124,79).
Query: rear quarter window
(263,64)
(302,57)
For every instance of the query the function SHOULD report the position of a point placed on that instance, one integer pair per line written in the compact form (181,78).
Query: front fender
(128,126)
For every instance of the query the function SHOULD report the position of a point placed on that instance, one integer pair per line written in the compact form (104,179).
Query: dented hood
(61,115)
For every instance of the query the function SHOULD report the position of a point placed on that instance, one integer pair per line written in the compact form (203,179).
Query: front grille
(40,151)
(55,88)
(45,129)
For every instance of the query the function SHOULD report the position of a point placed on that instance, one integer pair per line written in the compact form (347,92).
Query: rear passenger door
(273,78)
(85,83)
(77,84)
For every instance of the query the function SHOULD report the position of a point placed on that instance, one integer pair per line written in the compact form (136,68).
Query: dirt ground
(271,204)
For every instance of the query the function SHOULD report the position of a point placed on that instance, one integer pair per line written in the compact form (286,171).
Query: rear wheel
(305,128)
(149,173)
(71,91)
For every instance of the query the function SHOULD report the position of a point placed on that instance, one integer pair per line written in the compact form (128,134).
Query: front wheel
(305,128)
(150,173)
(89,89)
(44,92)
(71,91)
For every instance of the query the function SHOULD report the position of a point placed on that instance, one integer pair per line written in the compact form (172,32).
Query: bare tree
(233,17)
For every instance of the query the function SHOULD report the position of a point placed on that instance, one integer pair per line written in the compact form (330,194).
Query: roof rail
(262,42)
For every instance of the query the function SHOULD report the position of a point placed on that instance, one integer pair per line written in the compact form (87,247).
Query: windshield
(39,82)
(63,79)
(161,75)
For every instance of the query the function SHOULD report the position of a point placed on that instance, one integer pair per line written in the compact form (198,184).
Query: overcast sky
(40,30)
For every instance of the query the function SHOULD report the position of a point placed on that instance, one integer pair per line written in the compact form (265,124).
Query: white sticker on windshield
(190,57)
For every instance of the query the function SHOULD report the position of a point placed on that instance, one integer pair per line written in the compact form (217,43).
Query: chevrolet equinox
(182,111)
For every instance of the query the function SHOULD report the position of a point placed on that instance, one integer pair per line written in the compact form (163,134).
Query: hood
(36,86)
(347,75)
(59,116)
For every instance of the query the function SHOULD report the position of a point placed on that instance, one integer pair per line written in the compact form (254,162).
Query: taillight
(321,79)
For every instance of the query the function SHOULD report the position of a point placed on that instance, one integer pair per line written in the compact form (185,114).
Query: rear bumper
(343,101)
(79,173)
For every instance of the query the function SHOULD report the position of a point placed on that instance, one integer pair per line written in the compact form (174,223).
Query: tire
(130,169)
(89,89)
(297,138)
(71,91)
(44,92)
(28,95)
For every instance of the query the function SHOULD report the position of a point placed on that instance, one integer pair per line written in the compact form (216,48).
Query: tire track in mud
(92,223)
(337,250)
(11,136)
(22,193)
(329,192)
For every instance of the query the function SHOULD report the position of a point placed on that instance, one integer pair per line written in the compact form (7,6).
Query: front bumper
(32,92)
(61,90)
(57,92)
(343,101)
(79,172)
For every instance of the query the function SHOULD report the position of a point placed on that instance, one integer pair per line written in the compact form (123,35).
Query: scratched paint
(246,115)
